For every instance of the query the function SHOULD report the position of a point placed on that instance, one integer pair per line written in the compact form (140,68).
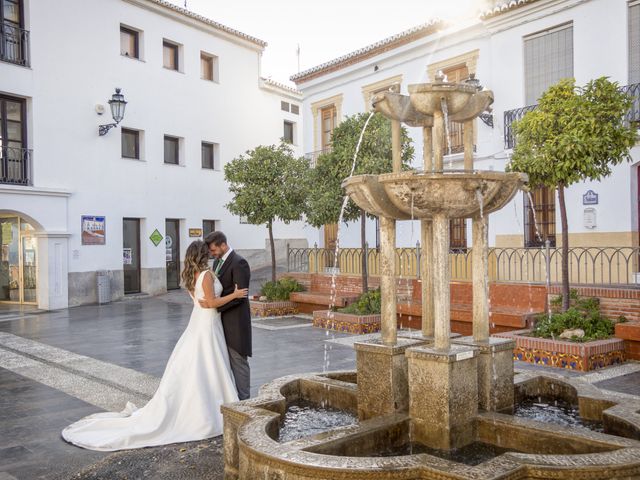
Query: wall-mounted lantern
(117,105)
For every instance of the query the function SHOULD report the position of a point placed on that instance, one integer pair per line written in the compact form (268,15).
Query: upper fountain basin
(461,98)
(456,194)
(398,107)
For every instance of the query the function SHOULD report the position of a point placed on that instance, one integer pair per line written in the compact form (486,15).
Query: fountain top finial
(440,77)
(472,80)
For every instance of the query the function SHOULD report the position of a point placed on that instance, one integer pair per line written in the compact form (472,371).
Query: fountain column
(480,263)
(441,295)
(396,150)
(438,138)
(387,280)
(426,242)
(467,141)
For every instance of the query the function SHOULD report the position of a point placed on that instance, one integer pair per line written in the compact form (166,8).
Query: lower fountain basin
(504,447)
(456,193)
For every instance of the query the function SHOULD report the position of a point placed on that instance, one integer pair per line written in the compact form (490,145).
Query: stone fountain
(425,396)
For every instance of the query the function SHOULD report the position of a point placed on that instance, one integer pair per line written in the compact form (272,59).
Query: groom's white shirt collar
(224,257)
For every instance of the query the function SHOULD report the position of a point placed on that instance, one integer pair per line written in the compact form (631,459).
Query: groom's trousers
(241,373)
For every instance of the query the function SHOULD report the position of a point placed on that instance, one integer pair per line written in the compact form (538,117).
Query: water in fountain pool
(303,419)
(556,411)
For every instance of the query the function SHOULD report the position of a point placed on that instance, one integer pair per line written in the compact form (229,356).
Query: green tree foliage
(267,183)
(575,134)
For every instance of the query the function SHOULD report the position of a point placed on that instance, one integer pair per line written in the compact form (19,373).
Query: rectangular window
(329,116)
(548,58)
(208,67)
(284,106)
(634,42)
(458,235)
(208,226)
(129,44)
(208,155)
(457,74)
(169,55)
(540,219)
(14,156)
(130,140)
(295,109)
(288,132)
(171,150)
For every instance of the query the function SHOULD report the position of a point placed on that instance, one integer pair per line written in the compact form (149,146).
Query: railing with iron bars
(312,157)
(510,116)
(15,166)
(14,44)
(587,265)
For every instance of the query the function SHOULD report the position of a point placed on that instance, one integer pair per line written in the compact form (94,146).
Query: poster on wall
(126,256)
(93,230)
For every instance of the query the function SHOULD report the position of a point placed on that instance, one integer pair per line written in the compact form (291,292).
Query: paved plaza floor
(56,367)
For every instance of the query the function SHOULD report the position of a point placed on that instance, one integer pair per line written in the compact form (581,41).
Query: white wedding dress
(186,407)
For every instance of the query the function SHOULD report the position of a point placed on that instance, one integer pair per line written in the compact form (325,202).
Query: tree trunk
(273,251)
(565,248)
(363,241)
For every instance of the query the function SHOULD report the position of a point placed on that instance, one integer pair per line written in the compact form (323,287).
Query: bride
(196,382)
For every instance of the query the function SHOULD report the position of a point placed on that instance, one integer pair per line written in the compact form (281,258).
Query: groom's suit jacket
(236,315)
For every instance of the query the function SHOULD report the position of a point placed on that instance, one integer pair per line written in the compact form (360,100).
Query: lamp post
(117,105)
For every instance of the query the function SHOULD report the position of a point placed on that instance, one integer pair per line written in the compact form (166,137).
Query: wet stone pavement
(56,367)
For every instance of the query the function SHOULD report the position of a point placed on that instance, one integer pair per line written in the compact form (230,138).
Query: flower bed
(272,309)
(346,322)
(583,356)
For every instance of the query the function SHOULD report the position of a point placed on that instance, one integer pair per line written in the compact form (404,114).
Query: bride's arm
(210,300)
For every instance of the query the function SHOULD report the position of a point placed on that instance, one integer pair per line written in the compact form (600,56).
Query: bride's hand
(240,292)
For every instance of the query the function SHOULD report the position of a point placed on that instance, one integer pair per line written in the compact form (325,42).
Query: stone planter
(346,322)
(272,309)
(583,356)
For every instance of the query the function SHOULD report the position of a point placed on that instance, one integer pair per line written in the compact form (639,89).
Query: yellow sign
(195,232)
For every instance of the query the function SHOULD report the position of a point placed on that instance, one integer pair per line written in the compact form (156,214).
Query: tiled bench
(308,302)
(630,333)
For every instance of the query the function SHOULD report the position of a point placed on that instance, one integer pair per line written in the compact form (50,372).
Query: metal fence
(510,116)
(587,265)
(15,166)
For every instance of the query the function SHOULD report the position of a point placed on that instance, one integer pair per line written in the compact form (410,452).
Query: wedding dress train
(186,407)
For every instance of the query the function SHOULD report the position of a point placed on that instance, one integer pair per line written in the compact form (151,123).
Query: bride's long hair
(195,261)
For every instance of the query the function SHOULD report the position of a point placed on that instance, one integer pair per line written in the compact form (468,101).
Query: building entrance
(18,261)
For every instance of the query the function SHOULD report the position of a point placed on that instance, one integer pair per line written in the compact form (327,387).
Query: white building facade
(73,202)
(517,50)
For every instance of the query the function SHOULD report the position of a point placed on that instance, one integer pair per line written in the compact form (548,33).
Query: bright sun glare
(458,10)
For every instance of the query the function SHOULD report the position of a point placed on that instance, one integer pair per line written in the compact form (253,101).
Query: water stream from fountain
(445,112)
(334,273)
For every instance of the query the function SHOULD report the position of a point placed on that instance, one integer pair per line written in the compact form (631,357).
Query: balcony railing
(510,116)
(587,265)
(14,44)
(312,157)
(15,166)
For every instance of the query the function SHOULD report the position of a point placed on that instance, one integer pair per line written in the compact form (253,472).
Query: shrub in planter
(280,290)
(584,314)
(369,303)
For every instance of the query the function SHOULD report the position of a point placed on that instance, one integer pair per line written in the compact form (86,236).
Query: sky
(324,29)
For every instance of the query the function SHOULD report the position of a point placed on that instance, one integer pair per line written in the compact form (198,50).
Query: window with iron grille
(14,156)
(540,218)
(458,235)
(634,42)
(548,58)
(458,73)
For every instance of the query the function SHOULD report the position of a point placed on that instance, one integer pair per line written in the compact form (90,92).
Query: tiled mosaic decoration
(272,309)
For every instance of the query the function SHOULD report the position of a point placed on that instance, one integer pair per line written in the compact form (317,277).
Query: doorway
(18,261)
(172,245)
(131,254)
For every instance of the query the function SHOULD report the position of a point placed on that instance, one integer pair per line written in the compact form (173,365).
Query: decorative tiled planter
(346,322)
(564,354)
(272,309)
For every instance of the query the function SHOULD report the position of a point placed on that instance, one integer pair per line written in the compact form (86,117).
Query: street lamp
(117,105)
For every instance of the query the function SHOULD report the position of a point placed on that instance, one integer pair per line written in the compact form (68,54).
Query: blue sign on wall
(590,198)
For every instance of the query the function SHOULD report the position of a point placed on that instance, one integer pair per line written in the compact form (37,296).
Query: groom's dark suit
(236,319)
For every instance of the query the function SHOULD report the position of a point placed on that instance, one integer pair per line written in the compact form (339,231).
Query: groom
(231,269)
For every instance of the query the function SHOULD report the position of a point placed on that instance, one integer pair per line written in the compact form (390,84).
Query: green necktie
(218,267)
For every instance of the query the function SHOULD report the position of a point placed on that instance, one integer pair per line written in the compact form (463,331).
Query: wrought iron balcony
(14,44)
(15,166)
(510,116)
(312,157)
